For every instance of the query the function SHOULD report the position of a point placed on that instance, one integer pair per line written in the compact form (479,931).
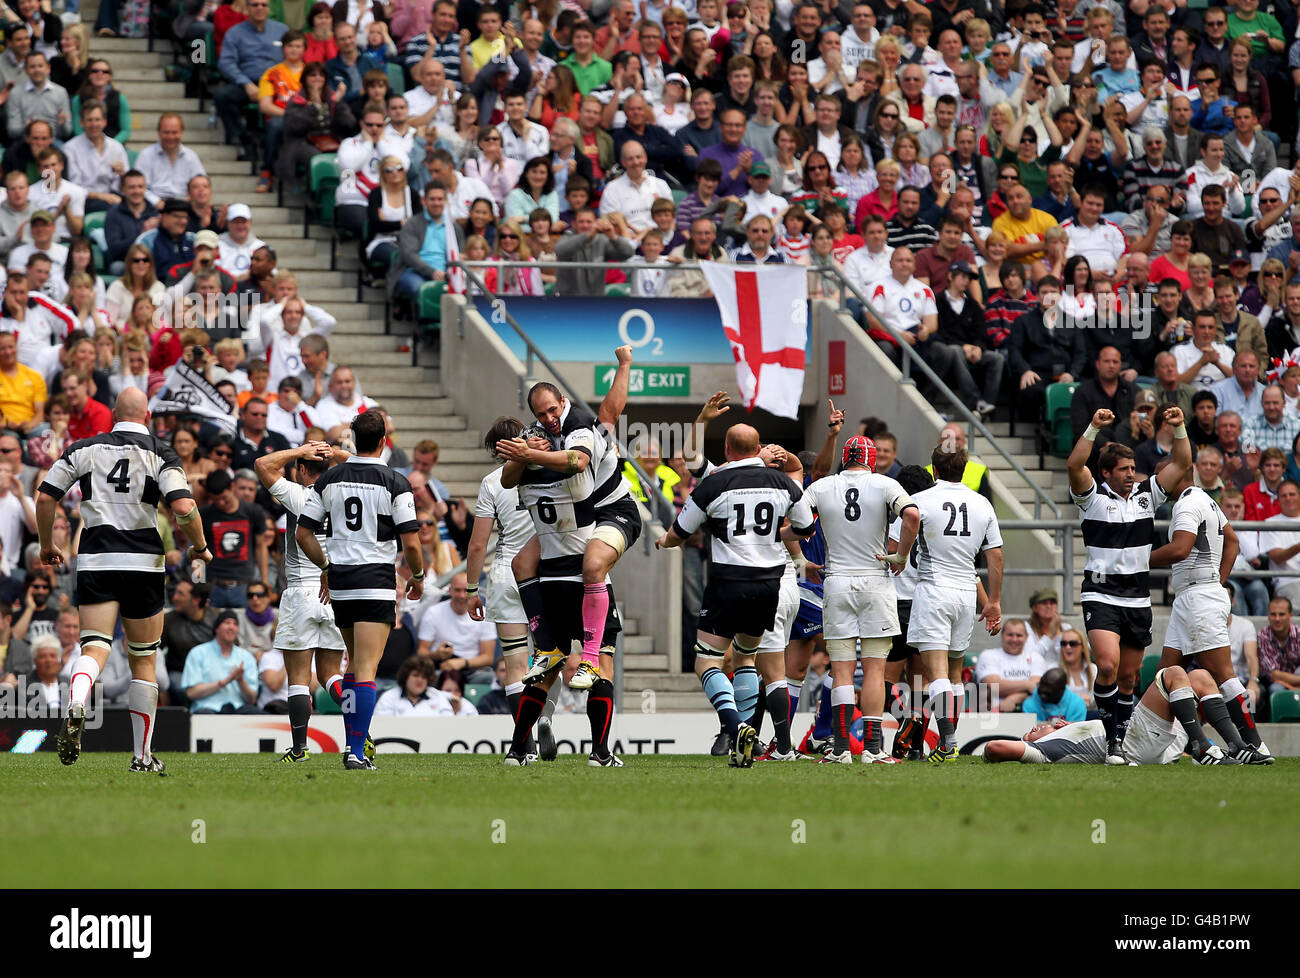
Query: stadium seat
(1150,663)
(93,229)
(131,156)
(428,305)
(324,703)
(971,658)
(476,691)
(396,80)
(322,180)
(1285,706)
(1056,432)
(619,290)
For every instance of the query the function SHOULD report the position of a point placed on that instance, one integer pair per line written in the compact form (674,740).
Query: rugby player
(957,524)
(1202,548)
(368,507)
(305,629)
(1118,520)
(909,740)
(124,475)
(1163,726)
(860,606)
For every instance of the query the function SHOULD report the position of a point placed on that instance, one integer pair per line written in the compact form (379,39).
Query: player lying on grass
(1164,723)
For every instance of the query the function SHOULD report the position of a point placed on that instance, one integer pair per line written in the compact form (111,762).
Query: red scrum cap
(860,450)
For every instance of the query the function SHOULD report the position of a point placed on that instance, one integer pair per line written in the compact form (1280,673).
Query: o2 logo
(647,337)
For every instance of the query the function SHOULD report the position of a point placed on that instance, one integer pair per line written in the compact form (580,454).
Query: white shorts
(502,605)
(942,618)
(859,607)
(1199,620)
(777,637)
(304,623)
(1151,740)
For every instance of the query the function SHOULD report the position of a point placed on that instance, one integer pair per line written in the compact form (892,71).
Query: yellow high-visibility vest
(973,475)
(666,476)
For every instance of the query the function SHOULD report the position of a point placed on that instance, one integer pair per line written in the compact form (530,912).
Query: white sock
(84,673)
(142,701)
(514,688)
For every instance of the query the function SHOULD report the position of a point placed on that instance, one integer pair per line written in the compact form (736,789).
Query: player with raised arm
(1164,724)
(498,508)
(579,441)
(124,475)
(368,507)
(1202,548)
(1118,520)
(957,525)
(860,606)
(743,504)
(305,631)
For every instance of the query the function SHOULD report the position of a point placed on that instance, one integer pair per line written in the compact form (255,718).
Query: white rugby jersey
(368,506)
(46,324)
(299,571)
(855,508)
(1118,533)
(957,524)
(742,505)
(502,506)
(563,518)
(123,475)
(905,582)
(580,431)
(902,305)
(1198,514)
(1083,742)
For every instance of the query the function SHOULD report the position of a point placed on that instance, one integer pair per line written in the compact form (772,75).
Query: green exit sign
(648,381)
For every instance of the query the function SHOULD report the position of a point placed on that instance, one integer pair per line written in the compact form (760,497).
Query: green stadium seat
(324,703)
(396,80)
(476,691)
(1150,663)
(93,230)
(428,304)
(1285,706)
(971,659)
(549,288)
(131,156)
(322,180)
(1058,434)
(679,196)
(619,290)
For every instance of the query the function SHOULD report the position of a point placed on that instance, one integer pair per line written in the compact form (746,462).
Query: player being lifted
(305,630)
(859,603)
(743,504)
(1202,548)
(124,475)
(957,524)
(1163,725)
(579,442)
(499,508)
(1118,519)
(564,520)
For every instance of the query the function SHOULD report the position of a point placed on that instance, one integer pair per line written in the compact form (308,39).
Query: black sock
(841,719)
(530,596)
(873,735)
(1105,696)
(1124,703)
(1216,712)
(600,712)
(778,704)
(1184,710)
(530,746)
(1242,719)
(941,707)
(531,701)
(299,714)
(760,707)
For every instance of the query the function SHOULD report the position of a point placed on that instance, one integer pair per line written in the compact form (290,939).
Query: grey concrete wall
(874,386)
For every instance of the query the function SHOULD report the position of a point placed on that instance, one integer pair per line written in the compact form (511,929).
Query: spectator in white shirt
(238,242)
(456,641)
(1011,672)
(634,193)
(289,414)
(96,162)
(521,140)
(168,164)
(413,695)
(344,402)
(283,329)
(62,198)
(433,100)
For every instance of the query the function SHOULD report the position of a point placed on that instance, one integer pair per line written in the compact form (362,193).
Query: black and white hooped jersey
(1083,742)
(957,525)
(368,507)
(502,506)
(855,508)
(299,571)
(1197,513)
(563,518)
(580,431)
(1118,534)
(742,505)
(123,474)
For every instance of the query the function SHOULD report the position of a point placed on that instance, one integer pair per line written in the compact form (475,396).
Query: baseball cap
(218,481)
(43,216)
(1145,398)
(1043,594)
(1238,254)
(174,205)
(961,268)
(760,169)
(226,615)
(207,238)
(677,77)
(236,211)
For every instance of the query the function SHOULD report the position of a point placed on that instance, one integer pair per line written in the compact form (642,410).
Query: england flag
(764,312)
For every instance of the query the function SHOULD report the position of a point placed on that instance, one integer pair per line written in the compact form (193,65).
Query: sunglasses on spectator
(428,522)
(1273,274)
(889,115)
(1071,645)
(491,139)
(392,169)
(817,166)
(40,587)
(101,71)
(1028,139)
(141,260)
(222,452)
(258,594)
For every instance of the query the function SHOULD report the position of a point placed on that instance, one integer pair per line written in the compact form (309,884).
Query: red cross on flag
(764,310)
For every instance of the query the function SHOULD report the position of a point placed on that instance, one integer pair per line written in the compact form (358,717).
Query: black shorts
(730,607)
(625,517)
(348,613)
(900,650)
(139,594)
(1132,625)
(563,600)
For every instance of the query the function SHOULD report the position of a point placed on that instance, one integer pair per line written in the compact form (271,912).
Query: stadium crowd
(1073,191)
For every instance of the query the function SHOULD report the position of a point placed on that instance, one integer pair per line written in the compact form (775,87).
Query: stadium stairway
(411,394)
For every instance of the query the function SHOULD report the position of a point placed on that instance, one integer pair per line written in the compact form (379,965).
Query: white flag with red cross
(764,310)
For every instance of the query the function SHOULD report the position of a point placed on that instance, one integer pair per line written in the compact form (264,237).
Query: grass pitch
(463,821)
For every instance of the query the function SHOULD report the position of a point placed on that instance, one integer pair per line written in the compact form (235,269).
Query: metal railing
(910,360)
(1064,531)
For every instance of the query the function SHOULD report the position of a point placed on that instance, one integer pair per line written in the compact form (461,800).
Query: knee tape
(1159,683)
(514,646)
(842,649)
(876,647)
(708,652)
(611,535)
(89,638)
(144,648)
(742,650)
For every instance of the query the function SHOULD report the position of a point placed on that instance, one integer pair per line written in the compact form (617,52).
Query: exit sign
(653,381)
